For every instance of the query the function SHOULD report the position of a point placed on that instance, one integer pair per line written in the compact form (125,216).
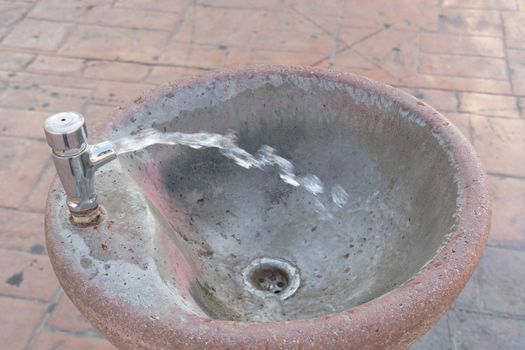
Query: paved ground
(465,57)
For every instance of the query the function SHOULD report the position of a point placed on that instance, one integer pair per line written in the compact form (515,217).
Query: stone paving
(465,57)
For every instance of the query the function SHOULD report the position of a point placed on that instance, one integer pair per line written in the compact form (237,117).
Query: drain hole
(269,279)
(270,276)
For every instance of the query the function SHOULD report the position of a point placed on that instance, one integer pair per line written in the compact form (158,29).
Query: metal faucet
(76,162)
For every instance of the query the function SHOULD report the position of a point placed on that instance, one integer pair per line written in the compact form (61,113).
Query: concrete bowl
(191,242)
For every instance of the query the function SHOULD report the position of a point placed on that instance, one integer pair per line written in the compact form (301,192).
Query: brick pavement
(465,57)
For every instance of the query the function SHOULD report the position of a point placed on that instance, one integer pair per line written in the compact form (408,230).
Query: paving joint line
(41,325)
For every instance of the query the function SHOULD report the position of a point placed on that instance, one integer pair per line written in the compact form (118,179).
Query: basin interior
(400,181)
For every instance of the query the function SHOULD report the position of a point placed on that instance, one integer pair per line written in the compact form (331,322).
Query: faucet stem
(76,162)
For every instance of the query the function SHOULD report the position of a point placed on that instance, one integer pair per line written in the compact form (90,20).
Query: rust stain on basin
(167,269)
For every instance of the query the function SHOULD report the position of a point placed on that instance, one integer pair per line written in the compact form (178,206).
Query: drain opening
(270,279)
(268,276)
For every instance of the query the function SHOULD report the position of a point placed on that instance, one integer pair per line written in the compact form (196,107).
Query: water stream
(265,157)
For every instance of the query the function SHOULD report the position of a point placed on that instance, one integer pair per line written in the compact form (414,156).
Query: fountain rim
(422,299)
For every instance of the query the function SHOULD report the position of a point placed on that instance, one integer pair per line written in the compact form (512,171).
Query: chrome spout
(76,162)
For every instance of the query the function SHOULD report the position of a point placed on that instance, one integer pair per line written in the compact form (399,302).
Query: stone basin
(196,252)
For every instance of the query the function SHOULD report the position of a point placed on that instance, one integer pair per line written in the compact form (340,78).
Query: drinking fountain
(193,251)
